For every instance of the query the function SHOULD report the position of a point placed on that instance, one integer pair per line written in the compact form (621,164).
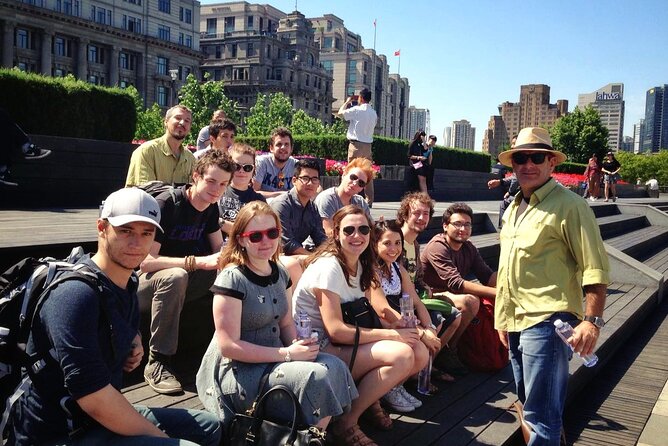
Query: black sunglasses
(350,230)
(245,167)
(360,183)
(256,236)
(522,158)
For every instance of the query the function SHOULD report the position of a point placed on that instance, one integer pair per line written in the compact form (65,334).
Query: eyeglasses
(281,178)
(256,236)
(522,158)
(245,167)
(460,225)
(362,229)
(306,179)
(360,183)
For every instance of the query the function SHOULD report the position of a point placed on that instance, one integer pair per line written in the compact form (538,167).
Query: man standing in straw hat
(549,238)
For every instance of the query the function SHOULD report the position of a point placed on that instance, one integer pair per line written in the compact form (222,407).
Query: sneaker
(592,199)
(396,401)
(161,378)
(614,199)
(448,361)
(36,152)
(7,180)
(410,398)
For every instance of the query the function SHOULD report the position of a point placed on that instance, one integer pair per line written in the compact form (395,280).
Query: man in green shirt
(165,158)
(551,249)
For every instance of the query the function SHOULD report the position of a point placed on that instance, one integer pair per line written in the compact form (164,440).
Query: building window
(59,72)
(132,24)
(189,41)
(161,66)
(182,39)
(311,59)
(268,53)
(218,53)
(352,72)
(164,32)
(327,42)
(307,80)
(127,61)
(327,65)
(185,15)
(100,15)
(249,22)
(165,6)
(95,54)
(229,24)
(233,50)
(62,47)
(162,95)
(24,39)
(134,2)
(69,7)
(250,49)
(279,74)
(211,25)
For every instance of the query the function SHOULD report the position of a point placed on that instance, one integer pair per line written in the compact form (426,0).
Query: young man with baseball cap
(95,337)
(551,249)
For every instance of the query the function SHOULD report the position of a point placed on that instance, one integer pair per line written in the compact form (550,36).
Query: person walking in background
(417,160)
(593,177)
(362,121)
(511,186)
(164,159)
(203,135)
(610,168)
(16,141)
(551,250)
(429,166)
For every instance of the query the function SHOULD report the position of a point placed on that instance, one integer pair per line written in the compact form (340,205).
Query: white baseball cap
(129,205)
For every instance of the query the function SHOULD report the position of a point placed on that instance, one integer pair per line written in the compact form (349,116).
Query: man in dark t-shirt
(182,263)
(448,260)
(93,337)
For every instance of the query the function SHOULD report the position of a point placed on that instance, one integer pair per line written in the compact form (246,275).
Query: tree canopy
(579,134)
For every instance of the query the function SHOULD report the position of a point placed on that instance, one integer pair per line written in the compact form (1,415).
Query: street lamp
(174,74)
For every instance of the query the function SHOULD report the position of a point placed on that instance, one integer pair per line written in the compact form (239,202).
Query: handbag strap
(297,414)
(356,345)
(260,387)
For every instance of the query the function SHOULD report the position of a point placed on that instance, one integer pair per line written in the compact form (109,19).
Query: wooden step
(614,225)
(637,243)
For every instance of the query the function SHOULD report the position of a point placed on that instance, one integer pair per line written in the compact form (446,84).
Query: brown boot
(526,429)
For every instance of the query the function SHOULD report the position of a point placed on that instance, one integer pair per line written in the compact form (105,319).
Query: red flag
(397,53)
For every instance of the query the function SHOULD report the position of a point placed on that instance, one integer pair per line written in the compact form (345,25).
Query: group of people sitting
(306,252)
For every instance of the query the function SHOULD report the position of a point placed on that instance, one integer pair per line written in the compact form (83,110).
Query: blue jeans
(185,428)
(540,366)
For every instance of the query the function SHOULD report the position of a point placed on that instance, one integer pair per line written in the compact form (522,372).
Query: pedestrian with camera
(361,119)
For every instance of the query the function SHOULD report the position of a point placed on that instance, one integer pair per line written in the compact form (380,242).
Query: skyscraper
(463,135)
(417,120)
(609,102)
(638,135)
(656,119)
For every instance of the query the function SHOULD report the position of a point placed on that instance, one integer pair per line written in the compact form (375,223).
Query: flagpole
(399,68)
(373,70)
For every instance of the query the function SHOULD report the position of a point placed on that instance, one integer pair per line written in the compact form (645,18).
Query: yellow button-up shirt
(547,255)
(154,160)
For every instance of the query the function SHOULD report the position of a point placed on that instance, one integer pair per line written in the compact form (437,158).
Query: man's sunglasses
(360,183)
(522,158)
(350,230)
(245,167)
(256,236)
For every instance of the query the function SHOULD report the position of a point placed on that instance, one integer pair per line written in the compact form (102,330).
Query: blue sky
(463,59)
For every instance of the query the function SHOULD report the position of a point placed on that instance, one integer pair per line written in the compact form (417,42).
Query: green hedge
(386,151)
(568,167)
(67,107)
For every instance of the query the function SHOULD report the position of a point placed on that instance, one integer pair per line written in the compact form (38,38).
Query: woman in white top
(343,270)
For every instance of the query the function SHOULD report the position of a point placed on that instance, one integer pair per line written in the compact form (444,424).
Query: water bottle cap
(558,323)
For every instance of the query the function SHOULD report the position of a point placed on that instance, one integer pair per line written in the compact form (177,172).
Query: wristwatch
(596,320)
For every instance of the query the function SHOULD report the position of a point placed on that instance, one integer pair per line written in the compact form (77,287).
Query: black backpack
(24,288)
(157,187)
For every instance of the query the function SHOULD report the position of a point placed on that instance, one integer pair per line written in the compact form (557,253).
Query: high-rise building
(638,135)
(152,46)
(397,107)
(354,67)
(533,110)
(447,137)
(655,136)
(257,48)
(495,136)
(627,144)
(417,120)
(463,135)
(609,102)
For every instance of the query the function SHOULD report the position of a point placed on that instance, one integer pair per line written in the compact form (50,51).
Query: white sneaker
(396,401)
(410,398)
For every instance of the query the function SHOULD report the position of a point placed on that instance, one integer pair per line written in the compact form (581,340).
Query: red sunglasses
(256,236)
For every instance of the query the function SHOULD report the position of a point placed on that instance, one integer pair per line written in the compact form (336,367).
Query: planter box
(329,181)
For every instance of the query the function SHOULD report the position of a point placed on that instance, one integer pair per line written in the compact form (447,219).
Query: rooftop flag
(397,53)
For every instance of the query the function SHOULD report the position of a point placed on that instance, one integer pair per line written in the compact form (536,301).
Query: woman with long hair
(342,271)
(355,176)
(256,336)
(610,168)
(593,176)
(417,160)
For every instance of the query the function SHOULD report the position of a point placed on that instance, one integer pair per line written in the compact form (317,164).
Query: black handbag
(252,428)
(359,313)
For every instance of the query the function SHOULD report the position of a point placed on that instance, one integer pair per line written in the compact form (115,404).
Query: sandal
(376,417)
(353,436)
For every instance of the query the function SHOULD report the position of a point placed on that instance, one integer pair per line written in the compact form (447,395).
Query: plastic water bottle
(565,331)
(407,310)
(303,325)
(424,379)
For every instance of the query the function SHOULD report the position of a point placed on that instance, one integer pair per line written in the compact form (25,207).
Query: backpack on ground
(480,347)
(24,288)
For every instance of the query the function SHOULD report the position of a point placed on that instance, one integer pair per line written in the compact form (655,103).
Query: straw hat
(534,139)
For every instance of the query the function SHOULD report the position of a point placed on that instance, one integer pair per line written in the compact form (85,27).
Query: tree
(149,121)
(203,98)
(303,124)
(579,134)
(644,166)
(269,112)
